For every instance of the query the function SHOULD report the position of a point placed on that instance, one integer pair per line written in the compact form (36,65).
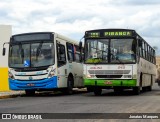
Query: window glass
(77,53)
(61,55)
(96,51)
(122,50)
(70,52)
(31,55)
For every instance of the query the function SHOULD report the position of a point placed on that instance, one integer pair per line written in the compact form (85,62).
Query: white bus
(118,59)
(44,61)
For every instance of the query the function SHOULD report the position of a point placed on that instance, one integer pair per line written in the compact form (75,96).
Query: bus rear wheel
(69,89)
(149,88)
(89,89)
(97,91)
(30,92)
(136,90)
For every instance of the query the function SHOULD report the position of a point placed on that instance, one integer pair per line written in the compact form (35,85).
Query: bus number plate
(30,84)
(108,82)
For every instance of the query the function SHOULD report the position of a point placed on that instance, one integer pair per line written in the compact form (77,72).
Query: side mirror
(4,51)
(80,45)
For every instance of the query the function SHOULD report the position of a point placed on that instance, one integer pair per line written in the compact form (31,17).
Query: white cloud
(73,17)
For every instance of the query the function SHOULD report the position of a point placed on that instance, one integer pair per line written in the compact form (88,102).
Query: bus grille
(103,72)
(108,76)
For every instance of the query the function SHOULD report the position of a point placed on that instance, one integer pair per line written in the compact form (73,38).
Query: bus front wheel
(69,89)
(89,89)
(30,92)
(97,91)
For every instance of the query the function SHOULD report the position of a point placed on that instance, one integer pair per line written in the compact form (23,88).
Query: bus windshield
(39,54)
(110,51)
(122,50)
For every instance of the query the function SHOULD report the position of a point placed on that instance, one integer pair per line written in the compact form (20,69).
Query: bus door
(72,65)
(78,67)
(62,65)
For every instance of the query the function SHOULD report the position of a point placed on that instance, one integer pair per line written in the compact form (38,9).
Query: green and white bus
(117,59)
(43,61)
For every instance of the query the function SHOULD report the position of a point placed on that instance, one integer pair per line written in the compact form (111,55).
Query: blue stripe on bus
(48,83)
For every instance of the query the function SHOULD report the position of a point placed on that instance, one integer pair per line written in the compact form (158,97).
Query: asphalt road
(83,102)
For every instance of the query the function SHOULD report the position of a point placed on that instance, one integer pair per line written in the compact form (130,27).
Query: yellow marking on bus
(4,85)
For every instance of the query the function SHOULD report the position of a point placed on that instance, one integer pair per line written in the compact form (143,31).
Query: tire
(89,89)
(136,90)
(144,89)
(30,92)
(158,82)
(149,88)
(97,91)
(69,89)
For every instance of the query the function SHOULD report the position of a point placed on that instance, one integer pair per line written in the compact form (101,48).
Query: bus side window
(77,53)
(70,52)
(61,55)
(140,51)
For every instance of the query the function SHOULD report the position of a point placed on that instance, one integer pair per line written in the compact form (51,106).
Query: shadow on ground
(111,93)
(53,94)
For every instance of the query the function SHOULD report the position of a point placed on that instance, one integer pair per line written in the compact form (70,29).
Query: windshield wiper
(39,50)
(119,60)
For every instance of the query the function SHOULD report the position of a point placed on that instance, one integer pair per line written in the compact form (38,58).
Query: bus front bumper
(110,83)
(48,83)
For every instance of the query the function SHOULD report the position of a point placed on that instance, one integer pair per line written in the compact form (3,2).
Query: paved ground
(82,102)
(10,94)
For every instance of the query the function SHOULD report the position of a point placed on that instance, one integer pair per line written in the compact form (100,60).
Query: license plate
(30,84)
(108,82)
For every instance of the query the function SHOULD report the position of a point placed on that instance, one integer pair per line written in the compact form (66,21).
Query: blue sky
(73,17)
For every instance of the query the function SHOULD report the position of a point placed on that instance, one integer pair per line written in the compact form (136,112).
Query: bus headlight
(127,76)
(11,75)
(89,76)
(51,73)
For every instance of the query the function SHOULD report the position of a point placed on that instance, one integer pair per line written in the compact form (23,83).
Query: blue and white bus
(44,61)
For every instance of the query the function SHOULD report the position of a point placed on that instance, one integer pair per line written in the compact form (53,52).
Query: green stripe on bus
(124,82)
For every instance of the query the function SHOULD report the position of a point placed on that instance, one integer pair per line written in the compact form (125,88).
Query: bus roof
(50,33)
(66,38)
(111,29)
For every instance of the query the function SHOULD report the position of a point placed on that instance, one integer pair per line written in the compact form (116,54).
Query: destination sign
(93,34)
(108,33)
(118,33)
(32,37)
